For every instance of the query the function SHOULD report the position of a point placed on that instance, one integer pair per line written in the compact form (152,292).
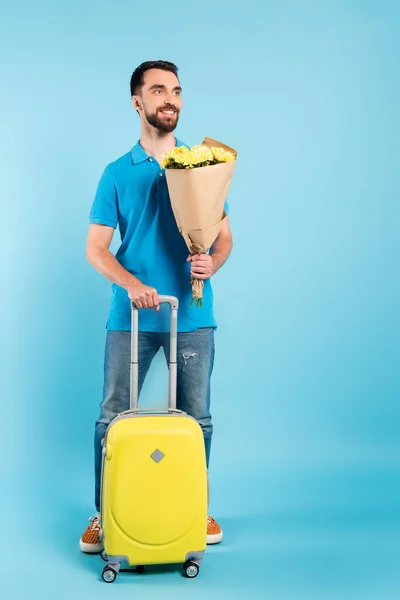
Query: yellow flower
(173,156)
(199,155)
(222,155)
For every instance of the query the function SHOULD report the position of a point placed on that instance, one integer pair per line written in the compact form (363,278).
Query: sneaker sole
(90,548)
(216,538)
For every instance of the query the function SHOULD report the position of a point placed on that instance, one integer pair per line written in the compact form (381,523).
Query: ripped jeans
(195,357)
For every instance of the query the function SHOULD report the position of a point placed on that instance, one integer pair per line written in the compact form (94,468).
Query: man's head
(156,94)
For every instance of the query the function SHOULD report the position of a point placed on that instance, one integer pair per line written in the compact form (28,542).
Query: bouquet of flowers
(198,180)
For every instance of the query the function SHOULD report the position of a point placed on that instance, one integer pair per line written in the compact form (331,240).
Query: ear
(136,103)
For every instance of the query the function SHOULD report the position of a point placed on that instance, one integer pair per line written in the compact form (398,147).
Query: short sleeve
(104,209)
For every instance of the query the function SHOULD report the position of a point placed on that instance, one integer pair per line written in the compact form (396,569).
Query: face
(160,99)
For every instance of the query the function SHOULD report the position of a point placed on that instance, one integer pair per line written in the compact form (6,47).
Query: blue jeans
(195,357)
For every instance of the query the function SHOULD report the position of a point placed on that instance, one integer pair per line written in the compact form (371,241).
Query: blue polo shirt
(133,195)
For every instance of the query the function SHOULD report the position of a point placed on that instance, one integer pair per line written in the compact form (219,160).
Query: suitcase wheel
(109,574)
(140,569)
(191,569)
(104,555)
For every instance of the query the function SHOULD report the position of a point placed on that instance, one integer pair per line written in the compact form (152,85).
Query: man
(152,260)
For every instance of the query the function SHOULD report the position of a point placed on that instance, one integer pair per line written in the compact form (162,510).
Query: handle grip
(171,300)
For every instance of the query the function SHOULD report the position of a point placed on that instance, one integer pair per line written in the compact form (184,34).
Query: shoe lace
(94,520)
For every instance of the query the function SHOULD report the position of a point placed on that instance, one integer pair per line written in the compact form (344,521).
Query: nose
(171,100)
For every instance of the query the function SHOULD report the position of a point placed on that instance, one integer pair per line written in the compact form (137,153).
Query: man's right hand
(143,296)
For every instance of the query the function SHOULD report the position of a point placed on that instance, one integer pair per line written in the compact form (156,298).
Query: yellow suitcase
(154,480)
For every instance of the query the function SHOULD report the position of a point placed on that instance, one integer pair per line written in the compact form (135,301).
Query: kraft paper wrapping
(197,198)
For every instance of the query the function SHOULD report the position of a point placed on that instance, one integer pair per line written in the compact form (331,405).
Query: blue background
(305,465)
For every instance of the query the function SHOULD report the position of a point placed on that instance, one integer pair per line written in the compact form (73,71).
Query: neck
(155,142)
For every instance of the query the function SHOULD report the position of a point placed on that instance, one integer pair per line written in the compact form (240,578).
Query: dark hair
(137,79)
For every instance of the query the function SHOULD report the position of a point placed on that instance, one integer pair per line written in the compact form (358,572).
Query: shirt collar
(139,154)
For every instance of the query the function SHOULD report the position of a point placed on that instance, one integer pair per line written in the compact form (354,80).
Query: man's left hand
(202,266)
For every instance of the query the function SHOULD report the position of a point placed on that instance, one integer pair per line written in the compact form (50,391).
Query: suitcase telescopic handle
(134,369)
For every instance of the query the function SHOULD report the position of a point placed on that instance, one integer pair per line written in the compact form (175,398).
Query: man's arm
(221,248)
(205,265)
(99,256)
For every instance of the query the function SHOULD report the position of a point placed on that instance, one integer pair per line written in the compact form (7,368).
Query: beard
(164,125)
